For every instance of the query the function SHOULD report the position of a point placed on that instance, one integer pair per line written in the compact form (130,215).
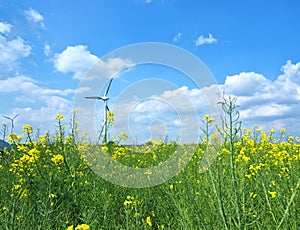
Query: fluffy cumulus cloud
(5,27)
(246,84)
(12,50)
(201,40)
(263,102)
(175,112)
(28,87)
(35,17)
(268,103)
(291,73)
(78,60)
(42,117)
(35,104)
(75,59)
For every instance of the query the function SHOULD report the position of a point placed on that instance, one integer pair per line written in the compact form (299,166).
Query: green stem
(289,204)
(268,202)
(232,164)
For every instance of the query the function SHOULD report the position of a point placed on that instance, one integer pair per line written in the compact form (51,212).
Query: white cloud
(5,27)
(78,60)
(246,84)
(177,37)
(291,72)
(75,59)
(174,111)
(34,16)
(271,110)
(47,49)
(201,40)
(265,102)
(12,51)
(262,101)
(28,86)
(36,105)
(81,90)
(43,117)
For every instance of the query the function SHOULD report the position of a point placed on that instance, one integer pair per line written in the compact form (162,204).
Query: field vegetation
(46,183)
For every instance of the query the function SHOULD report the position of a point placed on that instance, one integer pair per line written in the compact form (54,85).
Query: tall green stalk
(231,128)
(207,122)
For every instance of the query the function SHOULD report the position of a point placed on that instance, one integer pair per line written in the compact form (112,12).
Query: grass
(253,184)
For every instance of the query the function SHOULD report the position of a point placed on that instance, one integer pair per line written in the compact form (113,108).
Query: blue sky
(251,48)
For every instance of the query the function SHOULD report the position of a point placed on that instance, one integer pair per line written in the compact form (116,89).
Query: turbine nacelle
(104,98)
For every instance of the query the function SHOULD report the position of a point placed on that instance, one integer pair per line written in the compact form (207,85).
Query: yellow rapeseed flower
(210,120)
(59,116)
(273,194)
(283,131)
(12,138)
(57,159)
(110,117)
(82,227)
(148,172)
(123,136)
(27,129)
(52,195)
(17,186)
(127,202)
(42,139)
(148,221)
(71,227)
(253,195)
(104,148)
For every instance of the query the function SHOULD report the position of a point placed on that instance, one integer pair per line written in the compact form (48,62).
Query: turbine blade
(7,117)
(16,116)
(108,87)
(107,108)
(98,98)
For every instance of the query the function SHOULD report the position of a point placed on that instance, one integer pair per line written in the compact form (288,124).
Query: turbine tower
(106,109)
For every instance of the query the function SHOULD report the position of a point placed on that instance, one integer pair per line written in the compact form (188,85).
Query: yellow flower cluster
(129,201)
(27,129)
(57,159)
(110,117)
(59,116)
(208,119)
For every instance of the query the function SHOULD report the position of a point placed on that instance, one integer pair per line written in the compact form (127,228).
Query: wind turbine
(106,109)
(12,121)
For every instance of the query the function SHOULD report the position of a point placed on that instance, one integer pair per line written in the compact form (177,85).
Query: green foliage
(47,184)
